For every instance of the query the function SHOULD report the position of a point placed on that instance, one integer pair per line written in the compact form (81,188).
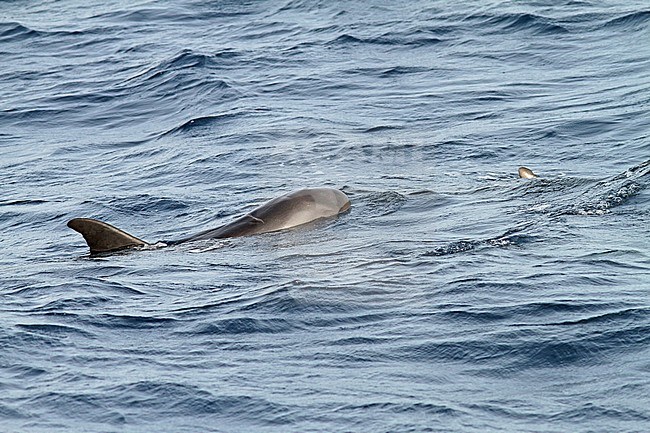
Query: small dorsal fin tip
(526,173)
(102,237)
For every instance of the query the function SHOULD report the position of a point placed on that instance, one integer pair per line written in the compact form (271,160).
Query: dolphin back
(102,237)
(300,207)
(290,210)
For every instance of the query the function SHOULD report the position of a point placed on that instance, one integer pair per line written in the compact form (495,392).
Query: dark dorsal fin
(102,237)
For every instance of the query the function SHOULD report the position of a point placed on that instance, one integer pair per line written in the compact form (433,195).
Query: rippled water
(452,297)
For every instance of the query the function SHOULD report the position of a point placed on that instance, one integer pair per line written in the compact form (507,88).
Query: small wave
(630,21)
(204,122)
(185,59)
(15,32)
(510,238)
(379,204)
(22,202)
(473,317)
(347,39)
(173,399)
(281,302)
(143,204)
(466,351)
(579,351)
(7,413)
(403,70)
(414,409)
(631,315)
(87,403)
(520,22)
(613,192)
(392,39)
(591,413)
(638,171)
(423,42)
(604,204)
(23,372)
(246,325)
(528,349)
(129,321)
(146,15)
(54,329)
(273,301)
(354,341)
(382,128)
(185,72)
(584,128)
(453,248)
(80,303)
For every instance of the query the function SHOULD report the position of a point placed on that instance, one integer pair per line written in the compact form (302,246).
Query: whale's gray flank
(287,211)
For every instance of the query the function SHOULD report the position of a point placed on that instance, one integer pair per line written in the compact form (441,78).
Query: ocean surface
(452,297)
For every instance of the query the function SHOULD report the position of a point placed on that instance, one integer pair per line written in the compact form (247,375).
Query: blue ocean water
(452,297)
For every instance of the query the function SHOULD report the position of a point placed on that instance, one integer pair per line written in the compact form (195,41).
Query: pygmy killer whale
(290,210)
